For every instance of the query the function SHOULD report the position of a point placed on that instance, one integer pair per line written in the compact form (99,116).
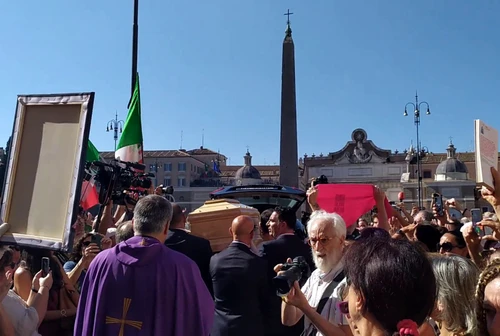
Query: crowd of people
(416,272)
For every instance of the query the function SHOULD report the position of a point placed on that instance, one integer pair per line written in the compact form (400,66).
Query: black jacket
(241,292)
(196,248)
(276,252)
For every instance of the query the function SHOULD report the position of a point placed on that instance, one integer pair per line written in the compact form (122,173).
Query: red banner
(350,201)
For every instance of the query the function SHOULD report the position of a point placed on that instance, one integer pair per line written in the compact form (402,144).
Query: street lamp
(115,125)
(157,165)
(416,107)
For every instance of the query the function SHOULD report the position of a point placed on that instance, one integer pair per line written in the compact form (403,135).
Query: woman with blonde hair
(456,279)
(488,299)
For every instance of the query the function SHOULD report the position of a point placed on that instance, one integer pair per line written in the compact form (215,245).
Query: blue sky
(216,65)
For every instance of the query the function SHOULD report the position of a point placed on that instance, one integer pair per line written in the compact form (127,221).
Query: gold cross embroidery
(123,321)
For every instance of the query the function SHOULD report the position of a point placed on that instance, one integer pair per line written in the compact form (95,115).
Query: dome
(451,166)
(247,172)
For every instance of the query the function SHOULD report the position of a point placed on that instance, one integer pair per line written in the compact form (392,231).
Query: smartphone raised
(45,266)
(96,239)
(438,203)
(477,216)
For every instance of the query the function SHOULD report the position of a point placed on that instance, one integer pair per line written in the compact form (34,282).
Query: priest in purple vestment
(141,287)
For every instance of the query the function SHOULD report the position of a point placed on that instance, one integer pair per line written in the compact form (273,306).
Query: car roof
(263,196)
(264,188)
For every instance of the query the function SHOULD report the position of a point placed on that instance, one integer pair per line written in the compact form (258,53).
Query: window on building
(427,174)
(167,182)
(151,167)
(181,181)
(167,167)
(181,166)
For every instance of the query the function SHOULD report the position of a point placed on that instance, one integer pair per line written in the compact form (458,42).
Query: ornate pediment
(360,150)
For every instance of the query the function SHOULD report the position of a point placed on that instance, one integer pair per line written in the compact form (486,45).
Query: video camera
(116,178)
(297,270)
(169,190)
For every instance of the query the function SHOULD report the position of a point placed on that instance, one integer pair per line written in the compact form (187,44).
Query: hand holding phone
(96,239)
(438,203)
(45,266)
(477,216)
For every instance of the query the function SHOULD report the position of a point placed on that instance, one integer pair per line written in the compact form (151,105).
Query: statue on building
(359,154)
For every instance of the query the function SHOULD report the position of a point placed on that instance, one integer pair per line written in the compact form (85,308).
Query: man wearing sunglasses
(319,298)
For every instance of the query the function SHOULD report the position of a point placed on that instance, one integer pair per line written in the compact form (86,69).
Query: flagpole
(135,41)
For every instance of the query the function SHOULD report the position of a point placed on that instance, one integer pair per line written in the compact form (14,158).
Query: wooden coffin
(213,219)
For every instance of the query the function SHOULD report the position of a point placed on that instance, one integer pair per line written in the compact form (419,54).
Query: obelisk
(289,165)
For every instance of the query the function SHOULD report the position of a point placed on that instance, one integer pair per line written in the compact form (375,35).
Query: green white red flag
(90,197)
(129,147)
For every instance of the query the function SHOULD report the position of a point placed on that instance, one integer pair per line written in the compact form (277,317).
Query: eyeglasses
(323,241)
(344,307)
(447,247)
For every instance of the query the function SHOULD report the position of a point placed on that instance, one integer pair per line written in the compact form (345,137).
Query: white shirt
(23,318)
(313,290)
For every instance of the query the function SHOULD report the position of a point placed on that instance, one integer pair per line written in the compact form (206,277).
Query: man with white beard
(318,300)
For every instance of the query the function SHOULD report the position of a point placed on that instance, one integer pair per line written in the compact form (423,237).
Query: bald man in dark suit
(240,283)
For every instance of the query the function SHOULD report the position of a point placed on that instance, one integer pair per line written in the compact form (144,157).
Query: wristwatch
(63,312)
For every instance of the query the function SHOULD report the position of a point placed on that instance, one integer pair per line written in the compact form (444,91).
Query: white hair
(334,219)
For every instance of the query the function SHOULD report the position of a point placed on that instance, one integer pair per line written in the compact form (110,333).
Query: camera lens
(282,285)
(284,282)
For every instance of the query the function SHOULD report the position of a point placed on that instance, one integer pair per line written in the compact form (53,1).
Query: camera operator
(121,184)
(319,297)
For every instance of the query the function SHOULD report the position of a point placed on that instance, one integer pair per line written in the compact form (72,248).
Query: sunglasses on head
(344,307)
(447,247)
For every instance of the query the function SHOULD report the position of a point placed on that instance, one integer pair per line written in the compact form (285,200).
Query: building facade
(360,162)
(194,174)
(450,174)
